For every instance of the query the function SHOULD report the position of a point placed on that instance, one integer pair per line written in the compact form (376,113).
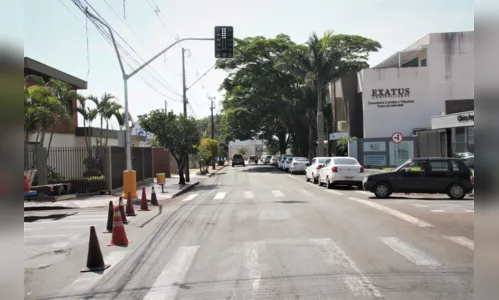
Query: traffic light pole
(212,107)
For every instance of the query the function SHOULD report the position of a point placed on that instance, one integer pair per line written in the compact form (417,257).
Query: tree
(242,150)
(257,94)
(272,146)
(154,143)
(207,150)
(326,58)
(179,134)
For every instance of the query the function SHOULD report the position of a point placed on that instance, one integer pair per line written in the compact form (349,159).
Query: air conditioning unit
(342,126)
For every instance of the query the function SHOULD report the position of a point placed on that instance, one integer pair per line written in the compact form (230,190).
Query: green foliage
(178,134)
(207,150)
(154,143)
(272,146)
(242,150)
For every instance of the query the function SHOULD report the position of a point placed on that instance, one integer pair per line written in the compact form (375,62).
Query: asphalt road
(257,233)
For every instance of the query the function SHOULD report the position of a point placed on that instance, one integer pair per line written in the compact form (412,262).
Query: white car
(282,161)
(341,170)
(266,159)
(313,169)
(298,164)
(286,164)
(274,160)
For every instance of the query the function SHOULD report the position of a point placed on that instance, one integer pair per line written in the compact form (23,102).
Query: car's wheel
(456,192)
(329,185)
(233,166)
(360,186)
(382,190)
(306,177)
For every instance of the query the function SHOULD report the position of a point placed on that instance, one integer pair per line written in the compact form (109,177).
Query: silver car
(467,157)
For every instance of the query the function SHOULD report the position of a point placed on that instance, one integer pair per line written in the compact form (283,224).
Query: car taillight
(319,167)
(334,169)
(361,169)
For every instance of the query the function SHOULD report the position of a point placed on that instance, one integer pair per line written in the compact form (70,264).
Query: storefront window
(460,142)
(471,138)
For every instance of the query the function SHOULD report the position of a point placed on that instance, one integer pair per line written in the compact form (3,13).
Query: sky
(58,34)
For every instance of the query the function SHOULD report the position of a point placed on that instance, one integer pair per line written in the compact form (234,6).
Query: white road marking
(413,254)
(335,192)
(68,221)
(46,236)
(249,195)
(252,265)
(359,283)
(88,216)
(277,193)
(86,280)
(190,197)
(167,285)
(393,212)
(33,229)
(470,210)
(461,240)
(219,196)
(306,193)
(365,193)
(419,205)
(60,245)
(437,210)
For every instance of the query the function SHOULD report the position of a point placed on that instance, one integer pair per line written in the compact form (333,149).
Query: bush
(92,173)
(86,185)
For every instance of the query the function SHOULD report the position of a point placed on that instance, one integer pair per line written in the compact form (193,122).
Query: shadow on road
(435,198)
(263,169)
(29,219)
(291,202)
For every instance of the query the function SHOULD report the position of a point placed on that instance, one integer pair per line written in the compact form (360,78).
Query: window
(423,62)
(439,166)
(322,160)
(345,161)
(326,163)
(301,159)
(412,63)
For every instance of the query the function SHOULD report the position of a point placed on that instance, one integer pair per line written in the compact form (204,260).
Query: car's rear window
(345,161)
(301,159)
(321,160)
(237,156)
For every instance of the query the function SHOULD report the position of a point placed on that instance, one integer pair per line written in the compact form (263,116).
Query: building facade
(403,93)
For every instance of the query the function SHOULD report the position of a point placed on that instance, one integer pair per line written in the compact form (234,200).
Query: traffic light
(224,42)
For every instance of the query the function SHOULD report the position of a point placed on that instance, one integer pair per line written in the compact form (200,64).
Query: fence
(91,170)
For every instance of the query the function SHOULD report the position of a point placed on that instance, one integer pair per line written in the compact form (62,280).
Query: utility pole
(212,107)
(184,92)
(166,108)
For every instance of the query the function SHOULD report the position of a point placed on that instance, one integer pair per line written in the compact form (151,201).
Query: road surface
(257,233)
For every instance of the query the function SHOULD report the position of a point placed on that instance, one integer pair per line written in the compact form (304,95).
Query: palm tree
(64,93)
(103,107)
(111,110)
(326,58)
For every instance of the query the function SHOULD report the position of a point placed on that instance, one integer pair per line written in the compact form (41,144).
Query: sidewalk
(171,190)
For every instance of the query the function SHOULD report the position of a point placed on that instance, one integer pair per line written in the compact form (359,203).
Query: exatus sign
(391,93)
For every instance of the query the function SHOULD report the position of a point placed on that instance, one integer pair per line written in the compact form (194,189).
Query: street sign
(397,138)
(224,41)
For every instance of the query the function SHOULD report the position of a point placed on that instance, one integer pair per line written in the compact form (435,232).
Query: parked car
(274,160)
(467,157)
(341,170)
(266,159)
(282,161)
(237,160)
(298,164)
(253,159)
(313,168)
(434,175)
(286,164)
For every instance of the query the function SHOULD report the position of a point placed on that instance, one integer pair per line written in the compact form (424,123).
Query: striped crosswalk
(254,259)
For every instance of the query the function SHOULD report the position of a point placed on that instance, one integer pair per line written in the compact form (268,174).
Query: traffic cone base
(122,211)
(119,237)
(95,261)
(130,211)
(154,199)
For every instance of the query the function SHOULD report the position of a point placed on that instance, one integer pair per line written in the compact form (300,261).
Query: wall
(161,161)
(448,76)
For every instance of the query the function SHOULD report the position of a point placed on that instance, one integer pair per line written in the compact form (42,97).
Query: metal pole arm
(164,50)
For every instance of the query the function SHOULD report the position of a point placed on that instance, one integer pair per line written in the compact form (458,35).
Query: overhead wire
(107,36)
(126,53)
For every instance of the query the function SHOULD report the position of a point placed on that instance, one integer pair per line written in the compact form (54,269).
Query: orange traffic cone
(143,201)
(122,211)
(154,199)
(130,211)
(119,237)
(110,212)
(95,261)
(27,188)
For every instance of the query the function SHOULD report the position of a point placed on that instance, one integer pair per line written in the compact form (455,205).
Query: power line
(107,36)
(163,83)
(199,78)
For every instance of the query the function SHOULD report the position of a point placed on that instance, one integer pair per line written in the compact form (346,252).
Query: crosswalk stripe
(364,192)
(461,240)
(410,252)
(86,280)
(249,195)
(335,192)
(277,193)
(46,236)
(252,265)
(419,205)
(359,283)
(190,197)
(393,212)
(219,196)
(306,193)
(166,287)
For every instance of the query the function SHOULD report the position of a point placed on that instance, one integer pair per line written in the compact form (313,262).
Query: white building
(252,147)
(404,92)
